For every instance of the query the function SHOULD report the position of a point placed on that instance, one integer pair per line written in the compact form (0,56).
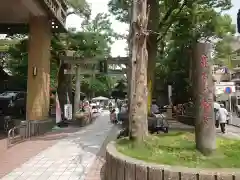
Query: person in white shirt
(216,114)
(124,108)
(223,113)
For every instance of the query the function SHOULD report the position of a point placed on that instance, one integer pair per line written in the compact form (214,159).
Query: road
(235,120)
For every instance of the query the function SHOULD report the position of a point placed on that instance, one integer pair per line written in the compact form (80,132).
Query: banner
(58,110)
(68,111)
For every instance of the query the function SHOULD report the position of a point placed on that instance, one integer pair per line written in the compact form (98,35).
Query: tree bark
(205,132)
(193,73)
(77,90)
(131,68)
(64,86)
(152,46)
(138,112)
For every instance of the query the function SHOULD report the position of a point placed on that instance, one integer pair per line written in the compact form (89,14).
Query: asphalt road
(235,120)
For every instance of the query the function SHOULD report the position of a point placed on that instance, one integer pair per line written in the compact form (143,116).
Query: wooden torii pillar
(39,18)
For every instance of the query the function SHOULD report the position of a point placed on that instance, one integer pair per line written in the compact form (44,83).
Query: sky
(100,6)
(234,10)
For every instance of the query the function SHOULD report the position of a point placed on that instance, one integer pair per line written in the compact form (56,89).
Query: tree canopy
(95,40)
(180,25)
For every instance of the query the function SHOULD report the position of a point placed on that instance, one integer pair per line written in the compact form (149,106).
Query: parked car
(13,103)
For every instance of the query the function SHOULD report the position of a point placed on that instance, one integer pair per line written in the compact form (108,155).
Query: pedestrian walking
(223,113)
(216,113)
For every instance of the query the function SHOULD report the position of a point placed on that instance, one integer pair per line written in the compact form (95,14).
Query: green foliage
(87,44)
(224,51)
(178,149)
(101,24)
(18,63)
(101,85)
(79,7)
(181,25)
(95,40)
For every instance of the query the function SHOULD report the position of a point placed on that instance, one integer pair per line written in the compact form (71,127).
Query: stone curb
(121,167)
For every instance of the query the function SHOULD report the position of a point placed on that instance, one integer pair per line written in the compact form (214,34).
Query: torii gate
(39,18)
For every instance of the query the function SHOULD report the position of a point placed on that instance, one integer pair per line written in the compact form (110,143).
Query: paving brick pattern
(70,158)
(20,153)
(77,154)
(96,172)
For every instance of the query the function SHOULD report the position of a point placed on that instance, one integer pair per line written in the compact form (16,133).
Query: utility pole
(77,90)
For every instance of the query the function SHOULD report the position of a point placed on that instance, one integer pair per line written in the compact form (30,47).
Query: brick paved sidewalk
(11,158)
(70,158)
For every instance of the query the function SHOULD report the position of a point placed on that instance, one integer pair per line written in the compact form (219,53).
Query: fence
(26,130)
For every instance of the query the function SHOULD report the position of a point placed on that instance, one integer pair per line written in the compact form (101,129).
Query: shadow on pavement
(102,172)
(3,135)
(57,134)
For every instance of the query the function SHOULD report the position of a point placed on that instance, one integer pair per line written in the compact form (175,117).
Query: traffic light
(238,21)
(103,66)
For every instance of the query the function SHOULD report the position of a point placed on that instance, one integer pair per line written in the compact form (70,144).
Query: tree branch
(172,21)
(167,15)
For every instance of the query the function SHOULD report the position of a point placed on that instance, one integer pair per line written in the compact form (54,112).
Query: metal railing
(17,133)
(26,130)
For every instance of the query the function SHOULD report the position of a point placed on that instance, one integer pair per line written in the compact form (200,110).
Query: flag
(58,110)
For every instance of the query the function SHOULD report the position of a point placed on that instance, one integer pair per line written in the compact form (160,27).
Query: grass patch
(178,148)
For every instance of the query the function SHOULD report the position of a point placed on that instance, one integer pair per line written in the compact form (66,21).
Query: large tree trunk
(205,132)
(64,86)
(138,112)
(152,46)
(193,73)
(131,69)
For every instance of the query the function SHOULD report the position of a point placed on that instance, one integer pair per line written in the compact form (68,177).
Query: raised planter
(121,167)
(83,118)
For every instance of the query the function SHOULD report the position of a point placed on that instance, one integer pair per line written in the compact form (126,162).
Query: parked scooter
(155,125)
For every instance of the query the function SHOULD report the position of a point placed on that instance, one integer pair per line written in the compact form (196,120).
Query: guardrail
(19,132)
(26,130)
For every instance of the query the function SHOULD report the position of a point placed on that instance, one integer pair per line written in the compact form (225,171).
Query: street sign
(226,83)
(228,90)
(220,88)
(58,110)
